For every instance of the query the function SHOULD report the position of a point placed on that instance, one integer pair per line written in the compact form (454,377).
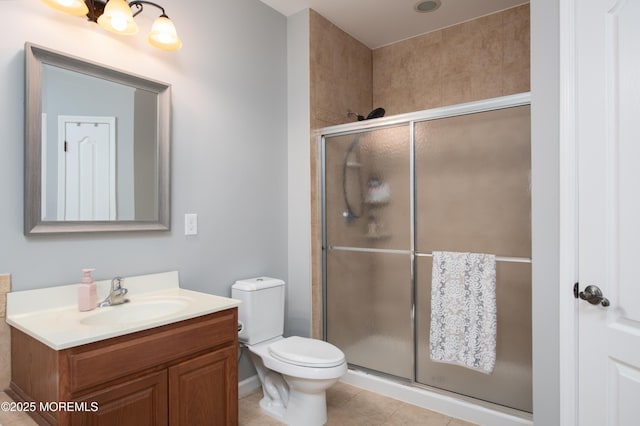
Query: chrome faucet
(116,295)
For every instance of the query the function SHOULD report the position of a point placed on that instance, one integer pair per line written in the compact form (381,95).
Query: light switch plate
(190,224)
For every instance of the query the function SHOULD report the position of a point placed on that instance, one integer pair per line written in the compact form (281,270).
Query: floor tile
(346,406)
(352,406)
(13,418)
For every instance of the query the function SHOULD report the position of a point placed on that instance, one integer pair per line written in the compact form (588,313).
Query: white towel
(463,310)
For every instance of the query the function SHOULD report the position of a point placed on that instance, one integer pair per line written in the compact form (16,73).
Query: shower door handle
(593,295)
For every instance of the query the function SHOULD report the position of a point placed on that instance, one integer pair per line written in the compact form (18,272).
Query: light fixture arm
(96,8)
(139,5)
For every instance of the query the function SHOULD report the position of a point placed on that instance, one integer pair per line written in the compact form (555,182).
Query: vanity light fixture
(116,16)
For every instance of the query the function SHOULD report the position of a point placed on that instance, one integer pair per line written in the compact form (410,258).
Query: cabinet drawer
(121,356)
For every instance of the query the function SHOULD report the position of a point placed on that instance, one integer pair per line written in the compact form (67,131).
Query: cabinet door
(204,390)
(138,402)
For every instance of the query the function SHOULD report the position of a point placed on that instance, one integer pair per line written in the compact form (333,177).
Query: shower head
(376,113)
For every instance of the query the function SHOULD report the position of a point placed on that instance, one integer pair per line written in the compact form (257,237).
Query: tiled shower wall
(483,58)
(340,81)
(480,59)
(340,74)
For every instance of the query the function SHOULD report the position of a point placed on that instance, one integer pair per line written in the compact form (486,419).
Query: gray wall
(145,156)
(299,202)
(545,211)
(229,146)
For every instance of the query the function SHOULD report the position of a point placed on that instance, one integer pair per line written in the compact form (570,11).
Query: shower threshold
(448,403)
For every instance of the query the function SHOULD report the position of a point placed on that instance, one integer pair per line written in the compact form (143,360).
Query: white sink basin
(136,311)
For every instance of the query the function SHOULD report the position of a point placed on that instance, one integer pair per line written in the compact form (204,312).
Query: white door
(608,108)
(87,168)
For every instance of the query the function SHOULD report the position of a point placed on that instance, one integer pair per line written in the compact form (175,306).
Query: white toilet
(295,371)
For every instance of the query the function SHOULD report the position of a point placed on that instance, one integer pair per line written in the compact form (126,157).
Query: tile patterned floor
(346,406)
(352,406)
(8,418)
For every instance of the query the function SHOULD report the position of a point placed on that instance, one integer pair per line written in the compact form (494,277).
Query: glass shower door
(473,195)
(367,249)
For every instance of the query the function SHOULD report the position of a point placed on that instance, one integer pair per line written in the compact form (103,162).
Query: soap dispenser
(87,298)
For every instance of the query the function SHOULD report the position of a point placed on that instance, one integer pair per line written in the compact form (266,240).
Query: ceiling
(380,22)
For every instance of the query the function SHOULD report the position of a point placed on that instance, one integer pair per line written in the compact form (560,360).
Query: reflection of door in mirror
(86,168)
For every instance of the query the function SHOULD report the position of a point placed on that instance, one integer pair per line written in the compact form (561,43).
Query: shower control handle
(593,295)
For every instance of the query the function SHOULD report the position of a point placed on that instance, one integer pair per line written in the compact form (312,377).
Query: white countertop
(51,314)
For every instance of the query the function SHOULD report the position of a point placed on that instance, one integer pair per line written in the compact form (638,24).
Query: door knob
(593,295)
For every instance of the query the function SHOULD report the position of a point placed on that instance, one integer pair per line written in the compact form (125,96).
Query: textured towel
(463,310)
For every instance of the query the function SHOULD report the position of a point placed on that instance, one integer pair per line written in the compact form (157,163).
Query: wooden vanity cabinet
(185,373)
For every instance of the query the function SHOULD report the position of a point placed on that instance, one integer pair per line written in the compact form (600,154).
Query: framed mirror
(97,146)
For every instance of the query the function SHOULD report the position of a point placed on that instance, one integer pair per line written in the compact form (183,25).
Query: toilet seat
(288,368)
(307,352)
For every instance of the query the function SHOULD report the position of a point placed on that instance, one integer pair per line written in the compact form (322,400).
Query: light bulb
(72,7)
(119,22)
(117,18)
(163,34)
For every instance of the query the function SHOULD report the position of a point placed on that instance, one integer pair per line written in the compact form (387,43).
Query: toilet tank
(261,312)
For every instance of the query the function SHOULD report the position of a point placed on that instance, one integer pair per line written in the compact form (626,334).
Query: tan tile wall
(340,74)
(5,336)
(479,59)
(340,81)
(483,58)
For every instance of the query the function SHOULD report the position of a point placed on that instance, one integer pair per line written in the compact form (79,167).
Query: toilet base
(293,394)
(274,411)
(302,409)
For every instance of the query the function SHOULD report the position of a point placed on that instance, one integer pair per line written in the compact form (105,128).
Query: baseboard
(440,402)
(248,385)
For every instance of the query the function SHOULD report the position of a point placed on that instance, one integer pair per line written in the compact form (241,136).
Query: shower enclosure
(397,189)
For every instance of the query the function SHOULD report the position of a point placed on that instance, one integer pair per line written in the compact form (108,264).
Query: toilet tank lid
(258,283)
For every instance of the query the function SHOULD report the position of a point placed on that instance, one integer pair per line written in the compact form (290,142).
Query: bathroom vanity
(171,361)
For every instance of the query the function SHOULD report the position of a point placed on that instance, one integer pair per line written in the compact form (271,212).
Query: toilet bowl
(300,398)
(294,372)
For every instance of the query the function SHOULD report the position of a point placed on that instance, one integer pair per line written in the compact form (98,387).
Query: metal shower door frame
(409,119)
